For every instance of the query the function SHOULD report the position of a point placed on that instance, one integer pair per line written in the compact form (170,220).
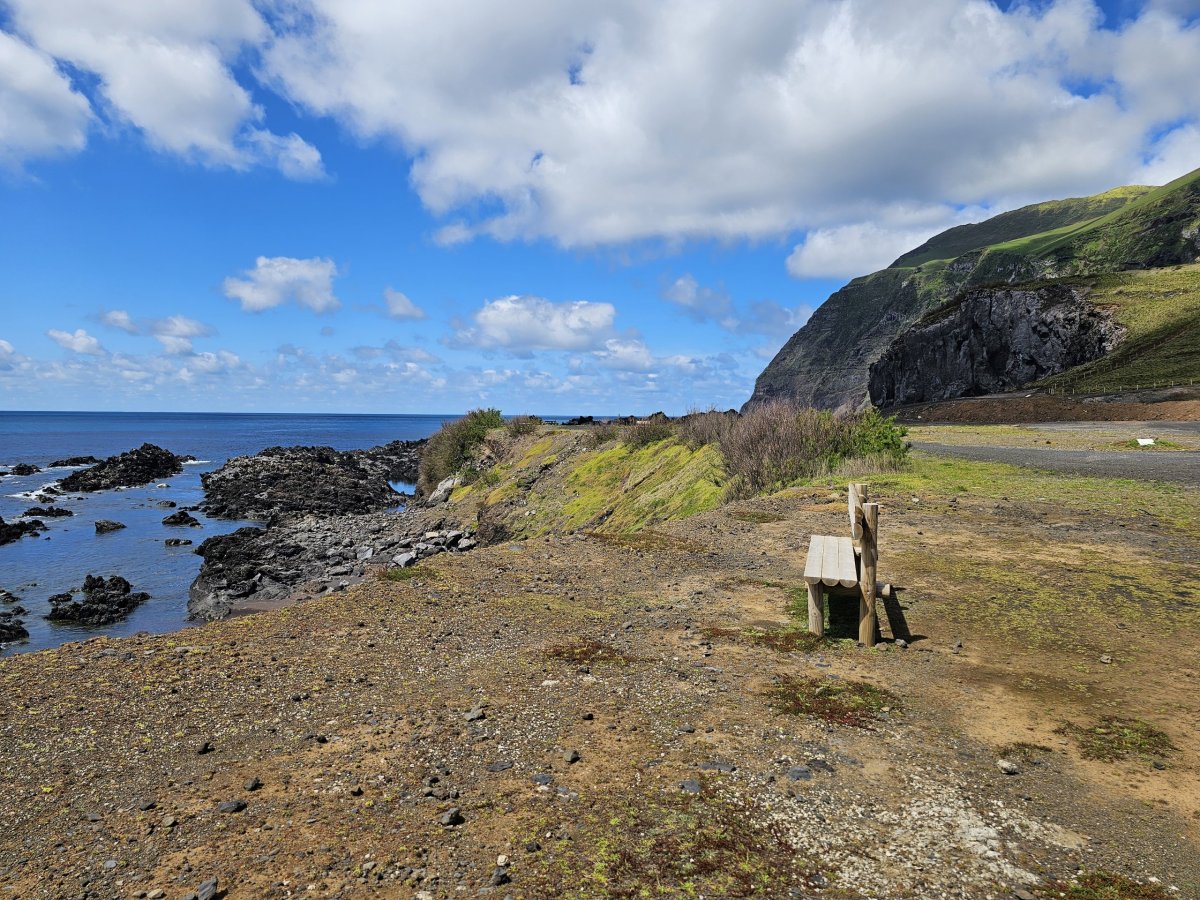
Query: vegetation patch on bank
(841,702)
(1112,738)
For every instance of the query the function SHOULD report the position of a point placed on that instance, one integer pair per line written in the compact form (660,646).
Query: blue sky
(555,207)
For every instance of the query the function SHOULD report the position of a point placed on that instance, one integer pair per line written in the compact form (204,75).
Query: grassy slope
(1040,218)
(551,483)
(1160,308)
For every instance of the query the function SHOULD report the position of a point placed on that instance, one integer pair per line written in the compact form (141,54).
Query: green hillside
(1040,218)
(1152,235)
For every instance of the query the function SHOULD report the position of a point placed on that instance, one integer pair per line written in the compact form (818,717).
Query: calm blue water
(36,568)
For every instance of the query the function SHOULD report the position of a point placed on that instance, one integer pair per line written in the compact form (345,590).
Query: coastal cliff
(828,362)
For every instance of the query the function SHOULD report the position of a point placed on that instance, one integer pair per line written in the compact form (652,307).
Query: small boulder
(104,526)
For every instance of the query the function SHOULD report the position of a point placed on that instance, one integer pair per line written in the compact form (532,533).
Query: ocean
(34,568)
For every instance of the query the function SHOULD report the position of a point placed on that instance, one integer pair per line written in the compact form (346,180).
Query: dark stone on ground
(74,461)
(104,601)
(231,806)
(452,817)
(135,467)
(690,786)
(103,526)
(14,531)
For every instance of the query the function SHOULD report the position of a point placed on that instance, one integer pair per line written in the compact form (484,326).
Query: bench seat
(831,562)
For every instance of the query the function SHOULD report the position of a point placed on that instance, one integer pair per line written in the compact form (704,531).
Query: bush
(599,433)
(781,442)
(642,434)
(710,427)
(451,448)
(522,425)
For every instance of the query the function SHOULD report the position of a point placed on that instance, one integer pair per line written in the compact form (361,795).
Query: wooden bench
(846,562)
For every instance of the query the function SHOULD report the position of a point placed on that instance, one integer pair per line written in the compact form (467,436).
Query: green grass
(1160,308)
(1112,738)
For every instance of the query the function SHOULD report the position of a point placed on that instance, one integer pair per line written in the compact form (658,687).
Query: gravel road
(1182,466)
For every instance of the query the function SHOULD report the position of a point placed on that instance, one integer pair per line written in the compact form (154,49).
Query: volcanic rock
(11,628)
(135,467)
(104,601)
(14,531)
(49,512)
(183,517)
(24,469)
(103,526)
(282,481)
(74,461)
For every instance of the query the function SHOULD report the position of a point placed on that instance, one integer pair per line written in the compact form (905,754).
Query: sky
(546,206)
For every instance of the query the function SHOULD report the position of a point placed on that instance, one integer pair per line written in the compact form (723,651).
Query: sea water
(34,568)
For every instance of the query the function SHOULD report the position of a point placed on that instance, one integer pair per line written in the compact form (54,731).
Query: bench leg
(816,609)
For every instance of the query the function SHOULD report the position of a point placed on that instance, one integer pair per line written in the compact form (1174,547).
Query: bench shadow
(896,619)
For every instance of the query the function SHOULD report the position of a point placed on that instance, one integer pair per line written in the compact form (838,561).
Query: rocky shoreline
(330,518)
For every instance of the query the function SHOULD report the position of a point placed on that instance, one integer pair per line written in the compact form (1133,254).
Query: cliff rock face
(827,362)
(993,340)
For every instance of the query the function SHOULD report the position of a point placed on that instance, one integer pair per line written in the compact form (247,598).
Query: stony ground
(588,716)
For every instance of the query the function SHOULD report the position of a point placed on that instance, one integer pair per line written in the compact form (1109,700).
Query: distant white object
(1145,442)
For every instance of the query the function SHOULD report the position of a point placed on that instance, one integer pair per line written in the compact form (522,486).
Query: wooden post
(870,555)
(816,609)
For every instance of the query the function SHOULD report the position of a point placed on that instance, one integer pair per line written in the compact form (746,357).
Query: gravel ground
(584,716)
(1180,466)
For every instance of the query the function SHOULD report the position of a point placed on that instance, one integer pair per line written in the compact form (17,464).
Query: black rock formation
(992,340)
(14,531)
(283,481)
(12,628)
(104,601)
(49,512)
(74,461)
(103,526)
(24,469)
(145,464)
(181,518)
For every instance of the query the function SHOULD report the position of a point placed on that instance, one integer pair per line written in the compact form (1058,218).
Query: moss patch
(783,640)
(1101,885)
(586,651)
(1112,738)
(832,700)
(685,845)
(408,574)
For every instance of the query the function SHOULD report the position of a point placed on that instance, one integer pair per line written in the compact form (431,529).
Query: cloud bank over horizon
(823,138)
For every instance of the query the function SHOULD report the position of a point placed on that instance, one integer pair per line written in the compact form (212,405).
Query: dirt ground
(1179,404)
(593,717)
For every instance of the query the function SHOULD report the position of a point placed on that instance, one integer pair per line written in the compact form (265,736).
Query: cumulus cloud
(701,303)
(165,68)
(522,324)
(175,333)
(400,307)
(276,280)
(40,113)
(77,341)
(6,349)
(622,121)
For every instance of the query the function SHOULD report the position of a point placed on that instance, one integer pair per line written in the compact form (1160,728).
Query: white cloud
(606,123)
(527,323)
(627,355)
(6,349)
(165,68)
(78,341)
(40,113)
(121,320)
(400,307)
(276,280)
(1177,154)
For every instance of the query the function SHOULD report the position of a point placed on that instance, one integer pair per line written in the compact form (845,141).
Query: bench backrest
(863,518)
